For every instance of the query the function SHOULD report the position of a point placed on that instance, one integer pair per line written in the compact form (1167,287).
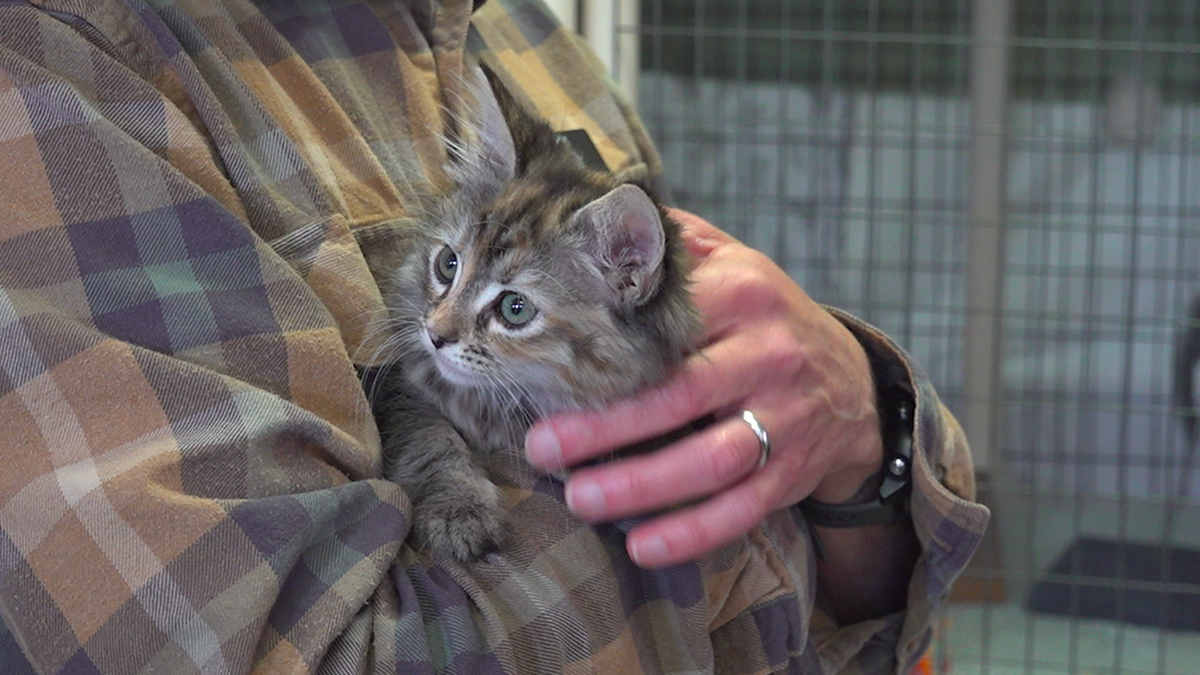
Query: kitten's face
(539,281)
(465,327)
(514,306)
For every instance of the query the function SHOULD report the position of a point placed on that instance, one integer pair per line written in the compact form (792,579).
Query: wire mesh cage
(1011,189)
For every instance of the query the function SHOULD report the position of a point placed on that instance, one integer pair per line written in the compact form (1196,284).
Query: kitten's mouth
(449,367)
(454,373)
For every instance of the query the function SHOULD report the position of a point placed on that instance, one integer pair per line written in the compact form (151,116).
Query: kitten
(537,286)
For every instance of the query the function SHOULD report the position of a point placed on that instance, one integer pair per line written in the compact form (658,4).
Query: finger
(690,533)
(699,465)
(699,236)
(708,382)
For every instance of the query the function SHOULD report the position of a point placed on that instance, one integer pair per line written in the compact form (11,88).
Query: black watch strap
(890,503)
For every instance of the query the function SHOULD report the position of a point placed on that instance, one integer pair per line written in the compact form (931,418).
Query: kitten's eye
(516,310)
(445,265)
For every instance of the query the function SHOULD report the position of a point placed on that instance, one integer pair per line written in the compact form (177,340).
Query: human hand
(767,348)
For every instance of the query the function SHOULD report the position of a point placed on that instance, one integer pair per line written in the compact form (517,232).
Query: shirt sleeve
(948,523)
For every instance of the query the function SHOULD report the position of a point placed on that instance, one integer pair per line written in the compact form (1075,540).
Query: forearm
(863,571)
(866,570)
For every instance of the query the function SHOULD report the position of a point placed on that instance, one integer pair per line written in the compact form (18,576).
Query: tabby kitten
(539,285)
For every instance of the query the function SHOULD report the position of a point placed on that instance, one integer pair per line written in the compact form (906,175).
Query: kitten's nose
(438,340)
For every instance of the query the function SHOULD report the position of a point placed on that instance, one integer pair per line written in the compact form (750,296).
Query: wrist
(882,495)
(861,448)
(859,481)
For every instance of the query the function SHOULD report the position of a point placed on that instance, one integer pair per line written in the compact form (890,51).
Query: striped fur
(600,261)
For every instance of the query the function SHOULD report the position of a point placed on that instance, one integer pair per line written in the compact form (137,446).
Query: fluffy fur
(537,286)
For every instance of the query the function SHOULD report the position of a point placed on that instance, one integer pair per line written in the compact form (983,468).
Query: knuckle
(684,401)
(720,460)
(697,535)
(752,282)
(746,510)
(782,351)
(595,427)
(630,487)
(728,518)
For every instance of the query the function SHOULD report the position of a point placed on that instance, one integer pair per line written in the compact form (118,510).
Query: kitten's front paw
(463,527)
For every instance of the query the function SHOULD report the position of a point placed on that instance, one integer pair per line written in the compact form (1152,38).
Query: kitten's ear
(494,141)
(531,136)
(626,238)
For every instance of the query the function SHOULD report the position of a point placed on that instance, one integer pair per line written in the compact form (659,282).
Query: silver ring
(764,443)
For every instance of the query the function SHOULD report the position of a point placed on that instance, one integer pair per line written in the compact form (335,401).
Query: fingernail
(648,551)
(541,447)
(585,498)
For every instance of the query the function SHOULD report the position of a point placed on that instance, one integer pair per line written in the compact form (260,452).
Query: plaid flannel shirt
(190,191)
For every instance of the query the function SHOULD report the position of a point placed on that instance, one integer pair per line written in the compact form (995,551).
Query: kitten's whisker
(389,327)
(524,398)
(422,214)
(378,326)
(540,274)
(365,354)
(498,386)
(393,344)
(417,310)
(398,342)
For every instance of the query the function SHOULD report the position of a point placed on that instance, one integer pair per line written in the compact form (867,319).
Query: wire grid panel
(836,137)
(853,185)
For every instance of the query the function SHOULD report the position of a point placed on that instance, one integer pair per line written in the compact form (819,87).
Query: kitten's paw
(463,527)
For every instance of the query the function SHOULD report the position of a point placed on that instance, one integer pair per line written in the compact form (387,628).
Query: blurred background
(1011,189)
